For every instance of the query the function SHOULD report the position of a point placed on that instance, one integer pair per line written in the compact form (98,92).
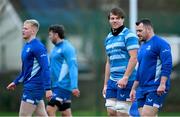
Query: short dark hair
(117,11)
(145,21)
(56,28)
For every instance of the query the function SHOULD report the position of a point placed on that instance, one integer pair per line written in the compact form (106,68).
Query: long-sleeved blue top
(63,66)
(35,73)
(155,60)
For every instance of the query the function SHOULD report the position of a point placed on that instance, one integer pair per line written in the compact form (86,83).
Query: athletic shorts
(121,94)
(151,99)
(32,97)
(61,95)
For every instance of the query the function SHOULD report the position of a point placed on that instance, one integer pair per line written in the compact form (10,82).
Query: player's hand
(104,91)
(122,82)
(11,86)
(132,95)
(76,92)
(48,95)
(161,89)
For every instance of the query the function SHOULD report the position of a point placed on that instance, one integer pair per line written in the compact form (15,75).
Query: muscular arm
(107,75)
(130,67)
(132,62)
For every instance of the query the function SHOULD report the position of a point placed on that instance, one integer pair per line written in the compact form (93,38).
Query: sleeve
(71,59)
(137,74)
(19,78)
(131,41)
(42,58)
(166,59)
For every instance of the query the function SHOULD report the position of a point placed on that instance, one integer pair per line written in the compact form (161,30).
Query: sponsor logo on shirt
(43,55)
(165,50)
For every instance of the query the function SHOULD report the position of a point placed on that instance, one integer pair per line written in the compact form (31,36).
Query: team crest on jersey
(148,48)
(59,51)
(28,49)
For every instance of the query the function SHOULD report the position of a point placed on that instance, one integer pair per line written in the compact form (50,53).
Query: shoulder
(160,41)
(129,34)
(67,45)
(108,37)
(37,45)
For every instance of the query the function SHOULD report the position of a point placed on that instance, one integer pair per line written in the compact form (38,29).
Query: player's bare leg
(149,111)
(140,110)
(40,109)
(26,109)
(111,112)
(51,110)
(66,113)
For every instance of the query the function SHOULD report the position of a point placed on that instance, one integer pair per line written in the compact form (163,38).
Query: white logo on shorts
(122,95)
(150,100)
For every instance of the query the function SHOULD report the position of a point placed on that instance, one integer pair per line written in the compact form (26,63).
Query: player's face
(141,32)
(27,31)
(52,37)
(115,21)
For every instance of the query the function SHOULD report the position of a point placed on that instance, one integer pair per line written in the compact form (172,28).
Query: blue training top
(35,73)
(63,66)
(155,60)
(117,48)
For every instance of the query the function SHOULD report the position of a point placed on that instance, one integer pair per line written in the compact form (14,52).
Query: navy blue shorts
(61,95)
(151,99)
(121,94)
(32,97)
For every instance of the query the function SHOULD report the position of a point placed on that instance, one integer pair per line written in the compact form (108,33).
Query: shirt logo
(28,49)
(148,48)
(43,55)
(59,51)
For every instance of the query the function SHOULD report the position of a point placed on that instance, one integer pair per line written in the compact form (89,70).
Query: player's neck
(31,38)
(59,41)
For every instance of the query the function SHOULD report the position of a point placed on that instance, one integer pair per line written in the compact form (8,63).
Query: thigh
(123,93)
(40,109)
(66,113)
(149,111)
(26,109)
(141,99)
(32,97)
(61,95)
(155,100)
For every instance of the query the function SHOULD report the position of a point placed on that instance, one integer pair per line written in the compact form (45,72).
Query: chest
(27,53)
(57,55)
(115,44)
(148,52)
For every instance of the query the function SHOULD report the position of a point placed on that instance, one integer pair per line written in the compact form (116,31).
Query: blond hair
(34,23)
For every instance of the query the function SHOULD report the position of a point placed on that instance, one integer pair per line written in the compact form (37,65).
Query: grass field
(89,113)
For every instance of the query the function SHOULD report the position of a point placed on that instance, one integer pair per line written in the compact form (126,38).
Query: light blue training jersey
(117,48)
(63,66)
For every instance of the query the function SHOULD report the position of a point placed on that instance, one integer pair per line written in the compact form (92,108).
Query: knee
(50,111)
(146,113)
(110,104)
(23,114)
(111,112)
